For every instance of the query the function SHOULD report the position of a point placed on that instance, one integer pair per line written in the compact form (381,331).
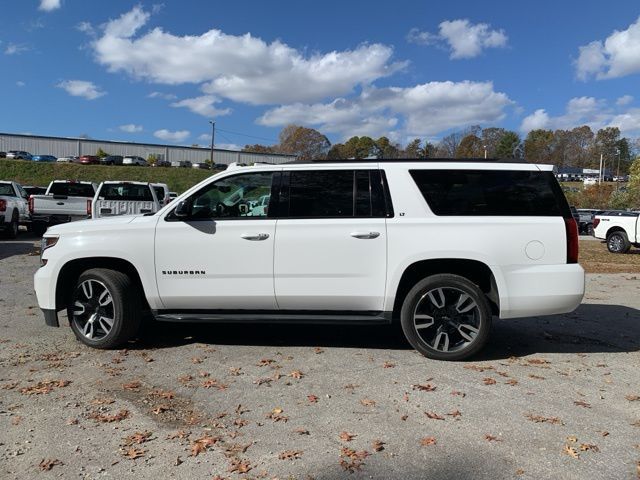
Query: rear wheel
(446,317)
(590,229)
(105,308)
(12,231)
(618,242)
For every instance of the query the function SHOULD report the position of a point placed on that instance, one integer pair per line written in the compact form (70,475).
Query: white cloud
(203,105)
(85,27)
(131,128)
(595,113)
(228,146)
(165,96)
(15,49)
(81,88)
(425,109)
(178,136)
(49,5)
(617,56)
(239,67)
(624,100)
(20,83)
(464,39)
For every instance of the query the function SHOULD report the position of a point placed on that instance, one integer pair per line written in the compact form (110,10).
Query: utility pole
(600,176)
(618,169)
(485,152)
(213,137)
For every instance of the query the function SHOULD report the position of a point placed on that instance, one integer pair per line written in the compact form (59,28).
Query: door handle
(365,235)
(60,203)
(255,236)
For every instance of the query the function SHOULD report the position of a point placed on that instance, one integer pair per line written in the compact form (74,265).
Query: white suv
(442,246)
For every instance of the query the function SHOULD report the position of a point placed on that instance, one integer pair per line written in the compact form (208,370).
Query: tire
(101,295)
(12,230)
(439,298)
(618,242)
(39,228)
(590,230)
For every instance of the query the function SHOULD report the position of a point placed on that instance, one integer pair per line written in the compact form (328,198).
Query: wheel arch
(72,270)
(473,270)
(615,229)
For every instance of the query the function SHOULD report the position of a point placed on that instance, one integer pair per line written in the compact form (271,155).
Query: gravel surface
(552,397)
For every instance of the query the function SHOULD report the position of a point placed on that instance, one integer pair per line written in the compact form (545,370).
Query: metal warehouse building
(63,147)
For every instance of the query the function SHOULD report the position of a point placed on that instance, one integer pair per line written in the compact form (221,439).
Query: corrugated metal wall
(62,147)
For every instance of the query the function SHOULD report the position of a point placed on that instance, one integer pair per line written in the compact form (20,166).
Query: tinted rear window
(126,191)
(491,193)
(72,189)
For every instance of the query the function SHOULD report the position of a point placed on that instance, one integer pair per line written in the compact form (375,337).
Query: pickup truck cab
(64,201)
(621,230)
(441,246)
(14,209)
(115,198)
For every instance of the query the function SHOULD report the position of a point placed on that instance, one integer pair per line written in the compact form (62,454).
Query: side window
(321,194)
(246,195)
(22,193)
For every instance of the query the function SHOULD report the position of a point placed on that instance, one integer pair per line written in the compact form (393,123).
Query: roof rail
(423,160)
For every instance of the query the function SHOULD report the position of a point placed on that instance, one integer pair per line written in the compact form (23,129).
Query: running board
(367,318)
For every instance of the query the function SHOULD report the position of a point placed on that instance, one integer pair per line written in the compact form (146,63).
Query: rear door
(331,241)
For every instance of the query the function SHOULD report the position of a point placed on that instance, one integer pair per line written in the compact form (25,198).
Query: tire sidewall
(438,281)
(623,239)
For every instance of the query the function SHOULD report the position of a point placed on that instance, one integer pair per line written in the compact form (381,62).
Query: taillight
(596,222)
(3,205)
(88,207)
(31,204)
(571,229)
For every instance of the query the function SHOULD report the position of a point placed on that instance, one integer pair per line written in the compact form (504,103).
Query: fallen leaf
(632,398)
(239,466)
(454,413)
(290,454)
(388,365)
(520,472)
(167,394)
(202,444)
(511,382)
(44,387)
(572,439)
(196,360)
(133,453)
(137,438)
(537,377)
(297,374)
(179,434)
(368,402)
(301,431)
(424,388)
(161,409)
(568,450)
(351,460)
(491,438)
(377,445)
(276,415)
(262,381)
(585,447)
(537,361)
(581,403)
(265,362)
(433,416)
(131,385)
(542,419)
(346,436)
(312,399)
(426,441)
(459,394)
(478,368)
(318,350)
(213,383)
(105,418)
(240,422)
(489,381)
(49,463)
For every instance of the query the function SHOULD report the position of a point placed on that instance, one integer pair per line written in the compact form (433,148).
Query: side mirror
(182,210)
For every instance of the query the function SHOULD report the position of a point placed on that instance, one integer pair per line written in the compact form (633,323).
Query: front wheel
(105,308)
(446,317)
(618,242)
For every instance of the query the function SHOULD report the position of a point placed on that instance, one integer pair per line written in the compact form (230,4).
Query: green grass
(34,173)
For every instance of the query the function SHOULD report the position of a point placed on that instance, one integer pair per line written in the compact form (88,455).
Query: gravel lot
(553,397)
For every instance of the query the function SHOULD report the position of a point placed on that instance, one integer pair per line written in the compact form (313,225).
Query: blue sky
(158,72)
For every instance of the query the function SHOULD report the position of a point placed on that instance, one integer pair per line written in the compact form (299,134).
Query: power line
(246,135)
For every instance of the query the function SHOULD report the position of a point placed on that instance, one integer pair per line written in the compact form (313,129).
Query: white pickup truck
(65,201)
(124,198)
(14,209)
(621,230)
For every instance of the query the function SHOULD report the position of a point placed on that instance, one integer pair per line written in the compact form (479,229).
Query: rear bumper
(541,290)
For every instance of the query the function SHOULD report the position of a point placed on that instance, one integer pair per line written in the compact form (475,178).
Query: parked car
(162,163)
(14,208)
(112,160)
(162,193)
(89,160)
(620,230)
(590,181)
(32,190)
(43,158)
(172,196)
(136,161)
(201,165)
(3,154)
(115,198)
(64,201)
(181,163)
(361,242)
(18,155)
(69,159)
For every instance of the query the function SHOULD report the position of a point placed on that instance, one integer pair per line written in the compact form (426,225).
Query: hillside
(33,173)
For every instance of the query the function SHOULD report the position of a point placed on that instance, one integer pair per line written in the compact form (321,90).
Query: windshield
(72,189)
(126,191)
(7,189)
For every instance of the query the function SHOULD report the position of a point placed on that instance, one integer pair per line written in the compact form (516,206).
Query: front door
(220,255)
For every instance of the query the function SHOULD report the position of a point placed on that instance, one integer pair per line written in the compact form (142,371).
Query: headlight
(46,242)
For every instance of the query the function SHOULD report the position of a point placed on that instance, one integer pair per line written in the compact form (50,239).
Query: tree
(470,147)
(359,147)
(101,153)
(257,148)
(385,149)
(413,149)
(152,159)
(306,143)
(508,145)
(538,146)
(490,138)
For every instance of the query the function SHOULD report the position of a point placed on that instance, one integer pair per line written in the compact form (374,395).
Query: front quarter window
(239,196)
